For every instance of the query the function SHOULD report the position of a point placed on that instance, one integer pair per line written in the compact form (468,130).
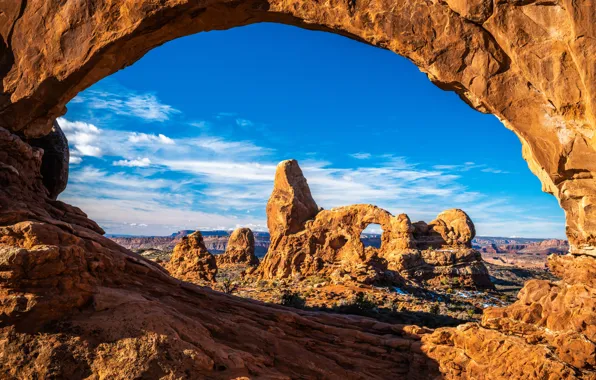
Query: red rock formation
(329,243)
(553,324)
(191,261)
(240,249)
(290,204)
(528,63)
(73,304)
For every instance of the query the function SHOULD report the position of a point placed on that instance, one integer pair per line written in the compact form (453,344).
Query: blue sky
(189,136)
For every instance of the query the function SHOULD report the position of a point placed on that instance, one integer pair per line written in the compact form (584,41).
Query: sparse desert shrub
(471,312)
(434,309)
(361,304)
(228,286)
(313,280)
(292,299)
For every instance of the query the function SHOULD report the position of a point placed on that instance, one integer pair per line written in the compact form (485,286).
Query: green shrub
(292,299)
(434,308)
(360,305)
(471,312)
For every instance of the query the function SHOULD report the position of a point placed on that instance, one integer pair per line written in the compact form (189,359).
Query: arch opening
(61,267)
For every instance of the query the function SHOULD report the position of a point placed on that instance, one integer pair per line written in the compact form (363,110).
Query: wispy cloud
(138,163)
(83,139)
(144,138)
(467,166)
(361,156)
(244,123)
(144,106)
(494,171)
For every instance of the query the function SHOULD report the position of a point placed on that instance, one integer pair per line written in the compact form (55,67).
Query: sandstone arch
(529,63)
(306,241)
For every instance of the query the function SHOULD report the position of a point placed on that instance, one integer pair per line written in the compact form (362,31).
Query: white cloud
(144,138)
(494,171)
(138,163)
(244,123)
(361,156)
(200,124)
(221,146)
(144,106)
(83,138)
(74,160)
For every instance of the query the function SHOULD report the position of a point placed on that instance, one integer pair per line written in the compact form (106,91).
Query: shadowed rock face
(54,163)
(191,261)
(329,242)
(240,249)
(529,63)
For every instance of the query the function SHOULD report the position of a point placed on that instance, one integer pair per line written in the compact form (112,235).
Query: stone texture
(530,63)
(240,249)
(191,261)
(290,204)
(329,243)
(527,62)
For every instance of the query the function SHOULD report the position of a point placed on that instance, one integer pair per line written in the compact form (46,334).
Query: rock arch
(529,63)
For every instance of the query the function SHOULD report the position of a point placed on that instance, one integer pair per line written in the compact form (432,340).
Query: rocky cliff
(73,304)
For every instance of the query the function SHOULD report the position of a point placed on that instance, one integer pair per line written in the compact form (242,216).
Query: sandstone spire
(240,249)
(291,203)
(191,261)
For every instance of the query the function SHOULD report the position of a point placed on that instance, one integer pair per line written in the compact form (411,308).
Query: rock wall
(529,63)
(329,241)
(73,304)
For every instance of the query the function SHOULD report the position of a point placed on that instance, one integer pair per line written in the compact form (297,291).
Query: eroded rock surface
(74,304)
(54,162)
(240,249)
(529,63)
(329,241)
(550,332)
(191,261)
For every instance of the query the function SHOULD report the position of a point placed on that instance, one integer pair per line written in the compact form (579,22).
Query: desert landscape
(313,298)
